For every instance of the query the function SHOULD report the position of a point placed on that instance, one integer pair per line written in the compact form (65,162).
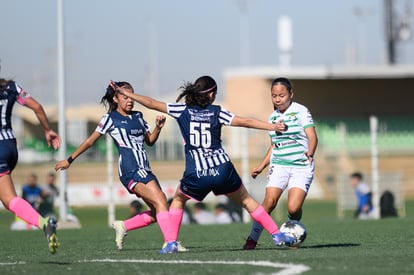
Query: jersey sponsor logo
(136,131)
(212,172)
(271,170)
(285,143)
(195,115)
(209,153)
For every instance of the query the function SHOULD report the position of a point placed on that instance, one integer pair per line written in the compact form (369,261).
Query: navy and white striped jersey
(128,133)
(8,97)
(201,130)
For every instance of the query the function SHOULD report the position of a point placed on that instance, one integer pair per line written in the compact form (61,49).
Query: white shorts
(283,177)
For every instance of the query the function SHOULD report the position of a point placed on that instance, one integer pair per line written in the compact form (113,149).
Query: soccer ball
(294,229)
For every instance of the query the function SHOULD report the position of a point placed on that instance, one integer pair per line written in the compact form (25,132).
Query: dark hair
(136,205)
(200,205)
(220,206)
(283,81)
(108,99)
(357,175)
(197,93)
(4,83)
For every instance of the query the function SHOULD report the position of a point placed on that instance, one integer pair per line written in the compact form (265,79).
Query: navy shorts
(221,180)
(8,156)
(130,180)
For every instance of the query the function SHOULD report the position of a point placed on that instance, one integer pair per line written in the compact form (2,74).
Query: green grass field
(332,247)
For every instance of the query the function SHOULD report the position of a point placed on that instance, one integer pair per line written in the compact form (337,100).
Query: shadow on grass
(330,245)
(221,249)
(55,263)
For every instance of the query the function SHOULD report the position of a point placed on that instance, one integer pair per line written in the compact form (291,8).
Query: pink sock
(261,216)
(176,216)
(141,220)
(164,221)
(25,211)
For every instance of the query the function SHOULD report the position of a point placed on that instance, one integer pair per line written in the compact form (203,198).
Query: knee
(294,209)
(269,204)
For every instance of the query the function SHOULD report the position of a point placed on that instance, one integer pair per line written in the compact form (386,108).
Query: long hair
(197,93)
(108,99)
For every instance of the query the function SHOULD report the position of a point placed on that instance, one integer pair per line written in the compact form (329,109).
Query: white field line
(283,269)
(286,269)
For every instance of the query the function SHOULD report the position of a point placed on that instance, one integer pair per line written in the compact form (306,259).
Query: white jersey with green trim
(289,147)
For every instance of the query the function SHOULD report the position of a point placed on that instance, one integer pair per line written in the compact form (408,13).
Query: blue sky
(176,41)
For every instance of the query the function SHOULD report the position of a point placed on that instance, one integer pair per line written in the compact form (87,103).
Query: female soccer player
(129,131)
(290,156)
(208,167)
(11,93)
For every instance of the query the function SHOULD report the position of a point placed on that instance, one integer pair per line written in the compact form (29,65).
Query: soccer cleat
(50,232)
(181,248)
(169,248)
(281,239)
(120,233)
(250,244)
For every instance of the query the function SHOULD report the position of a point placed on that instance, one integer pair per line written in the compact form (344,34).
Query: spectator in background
(32,193)
(51,192)
(221,214)
(387,205)
(363,195)
(135,207)
(202,215)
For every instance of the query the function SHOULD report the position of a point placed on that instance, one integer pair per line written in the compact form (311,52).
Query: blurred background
(351,63)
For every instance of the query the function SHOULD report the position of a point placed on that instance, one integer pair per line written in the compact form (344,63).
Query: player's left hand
(310,157)
(160,121)
(62,165)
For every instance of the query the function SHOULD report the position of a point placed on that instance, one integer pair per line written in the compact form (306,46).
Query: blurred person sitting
(135,207)
(202,215)
(51,192)
(363,195)
(32,193)
(221,214)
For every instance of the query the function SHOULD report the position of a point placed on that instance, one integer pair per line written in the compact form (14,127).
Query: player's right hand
(255,172)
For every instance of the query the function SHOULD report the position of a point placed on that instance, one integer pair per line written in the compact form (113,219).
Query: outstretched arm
(88,143)
(151,137)
(147,101)
(51,136)
(258,124)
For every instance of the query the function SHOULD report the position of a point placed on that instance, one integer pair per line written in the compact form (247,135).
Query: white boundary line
(287,269)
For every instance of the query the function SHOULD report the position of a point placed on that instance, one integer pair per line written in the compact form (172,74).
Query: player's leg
(269,203)
(140,220)
(296,198)
(26,212)
(278,178)
(259,214)
(177,211)
(299,183)
(152,193)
